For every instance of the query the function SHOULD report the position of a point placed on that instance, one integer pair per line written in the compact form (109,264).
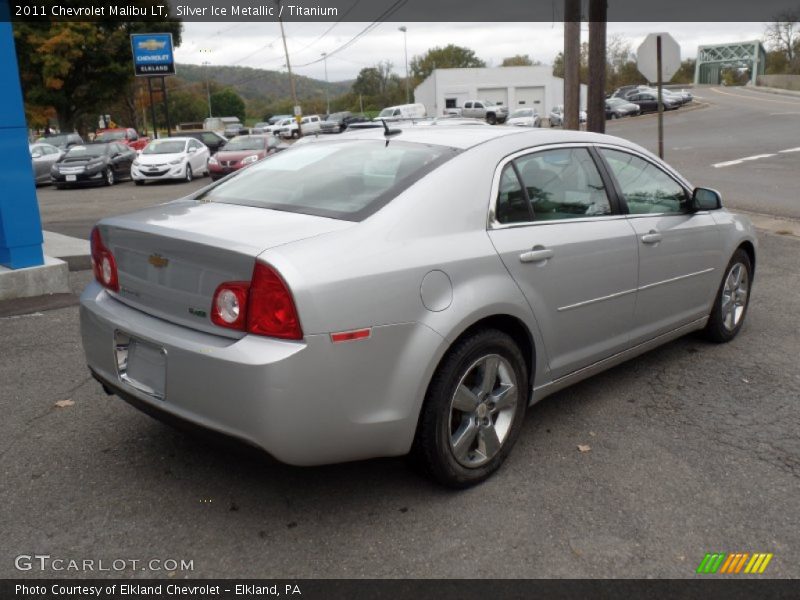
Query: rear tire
(473,410)
(733,298)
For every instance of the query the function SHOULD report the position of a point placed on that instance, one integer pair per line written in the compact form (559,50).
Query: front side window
(645,187)
(563,183)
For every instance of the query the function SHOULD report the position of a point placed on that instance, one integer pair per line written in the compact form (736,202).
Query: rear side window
(347,180)
(563,184)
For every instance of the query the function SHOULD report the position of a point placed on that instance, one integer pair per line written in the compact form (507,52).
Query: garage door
(493,95)
(529,97)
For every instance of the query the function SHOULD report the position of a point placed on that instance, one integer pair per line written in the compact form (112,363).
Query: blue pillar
(20,224)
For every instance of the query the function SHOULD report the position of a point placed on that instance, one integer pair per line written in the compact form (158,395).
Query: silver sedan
(412,291)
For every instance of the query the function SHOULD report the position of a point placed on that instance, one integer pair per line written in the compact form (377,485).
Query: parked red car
(242,151)
(123,135)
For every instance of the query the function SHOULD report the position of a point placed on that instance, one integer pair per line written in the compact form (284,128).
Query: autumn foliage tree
(78,69)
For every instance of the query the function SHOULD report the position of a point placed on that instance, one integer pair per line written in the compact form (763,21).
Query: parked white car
(276,128)
(524,117)
(171,158)
(309,123)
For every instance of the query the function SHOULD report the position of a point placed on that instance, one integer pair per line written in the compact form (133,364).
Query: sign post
(153,57)
(659,58)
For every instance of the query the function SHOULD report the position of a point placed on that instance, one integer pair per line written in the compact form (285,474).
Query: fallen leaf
(592,433)
(745,380)
(584,448)
(65,403)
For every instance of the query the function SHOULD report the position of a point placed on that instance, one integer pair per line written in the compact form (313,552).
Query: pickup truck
(123,135)
(483,109)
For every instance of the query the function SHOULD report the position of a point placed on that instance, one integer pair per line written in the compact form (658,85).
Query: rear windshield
(110,136)
(246,142)
(347,180)
(165,147)
(88,150)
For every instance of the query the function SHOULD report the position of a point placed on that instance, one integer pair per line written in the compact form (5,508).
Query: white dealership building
(516,87)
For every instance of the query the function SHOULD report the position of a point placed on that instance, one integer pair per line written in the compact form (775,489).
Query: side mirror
(706,199)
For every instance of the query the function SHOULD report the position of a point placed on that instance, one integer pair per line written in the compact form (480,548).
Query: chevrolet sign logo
(158,261)
(151,45)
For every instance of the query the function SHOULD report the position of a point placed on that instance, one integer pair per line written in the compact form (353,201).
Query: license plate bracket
(141,365)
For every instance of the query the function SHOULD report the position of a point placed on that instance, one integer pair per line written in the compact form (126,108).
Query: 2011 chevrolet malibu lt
(408,291)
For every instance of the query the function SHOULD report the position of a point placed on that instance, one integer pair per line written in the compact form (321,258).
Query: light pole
(207,64)
(327,99)
(208,89)
(404,29)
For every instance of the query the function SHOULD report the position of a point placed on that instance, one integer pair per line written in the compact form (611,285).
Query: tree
(79,68)
(378,86)
(449,57)
(227,103)
(686,73)
(784,34)
(519,60)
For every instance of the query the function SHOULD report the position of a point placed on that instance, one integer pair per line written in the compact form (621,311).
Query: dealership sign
(152,54)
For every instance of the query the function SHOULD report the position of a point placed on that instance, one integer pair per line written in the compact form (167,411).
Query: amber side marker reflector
(351,336)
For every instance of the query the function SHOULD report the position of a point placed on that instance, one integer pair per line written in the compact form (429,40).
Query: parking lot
(693,447)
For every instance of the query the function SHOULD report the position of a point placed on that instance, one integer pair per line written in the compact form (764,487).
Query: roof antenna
(389,132)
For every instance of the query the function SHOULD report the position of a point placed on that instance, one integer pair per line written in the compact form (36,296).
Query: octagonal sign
(646,60)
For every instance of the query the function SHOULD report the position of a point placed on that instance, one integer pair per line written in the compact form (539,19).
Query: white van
(403,111)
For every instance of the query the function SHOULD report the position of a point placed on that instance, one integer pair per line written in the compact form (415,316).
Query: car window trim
(492,223)
(684,185)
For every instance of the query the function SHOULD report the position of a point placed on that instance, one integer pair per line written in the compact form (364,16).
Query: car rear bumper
(305,403)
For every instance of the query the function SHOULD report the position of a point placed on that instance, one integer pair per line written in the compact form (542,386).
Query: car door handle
(537,254)
(652,237)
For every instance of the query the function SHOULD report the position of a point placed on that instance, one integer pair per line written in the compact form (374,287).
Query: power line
(383,17)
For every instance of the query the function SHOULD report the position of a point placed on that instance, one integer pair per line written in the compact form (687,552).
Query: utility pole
(596,103)
(404,29)
(327,98)
(572,63)
(297,116)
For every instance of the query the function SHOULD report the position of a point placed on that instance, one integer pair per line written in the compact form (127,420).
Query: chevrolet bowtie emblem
(158,261)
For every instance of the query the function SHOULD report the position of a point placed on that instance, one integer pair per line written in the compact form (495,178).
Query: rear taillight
(103,263)
(263,306)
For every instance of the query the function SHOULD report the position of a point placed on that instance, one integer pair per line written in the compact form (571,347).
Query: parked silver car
(408,291)
(43,157)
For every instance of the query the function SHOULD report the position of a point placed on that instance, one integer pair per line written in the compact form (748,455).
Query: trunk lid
(172,257)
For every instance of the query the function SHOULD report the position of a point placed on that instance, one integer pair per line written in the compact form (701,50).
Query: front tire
(733,298)
(110,179)
(491,118)
(138,181)
(188,177)
(473,410)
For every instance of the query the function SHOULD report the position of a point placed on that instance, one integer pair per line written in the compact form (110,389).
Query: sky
(259,45)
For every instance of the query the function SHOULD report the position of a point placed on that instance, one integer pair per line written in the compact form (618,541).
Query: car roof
(174,138)
(468,136)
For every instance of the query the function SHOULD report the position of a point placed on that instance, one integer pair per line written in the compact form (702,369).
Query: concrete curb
(50,278)
(776,91)
(771,224)
(74,251)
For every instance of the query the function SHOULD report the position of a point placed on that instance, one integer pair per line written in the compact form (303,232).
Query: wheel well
(751,252)
(514,328)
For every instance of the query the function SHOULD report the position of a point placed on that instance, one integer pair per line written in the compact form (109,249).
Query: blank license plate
(142,365)
(71,177)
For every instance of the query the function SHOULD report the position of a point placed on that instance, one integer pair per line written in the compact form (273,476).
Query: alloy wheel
(734,296)
(482,410)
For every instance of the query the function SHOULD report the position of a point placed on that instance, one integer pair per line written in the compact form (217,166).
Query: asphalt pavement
(733,124)
(694,449)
